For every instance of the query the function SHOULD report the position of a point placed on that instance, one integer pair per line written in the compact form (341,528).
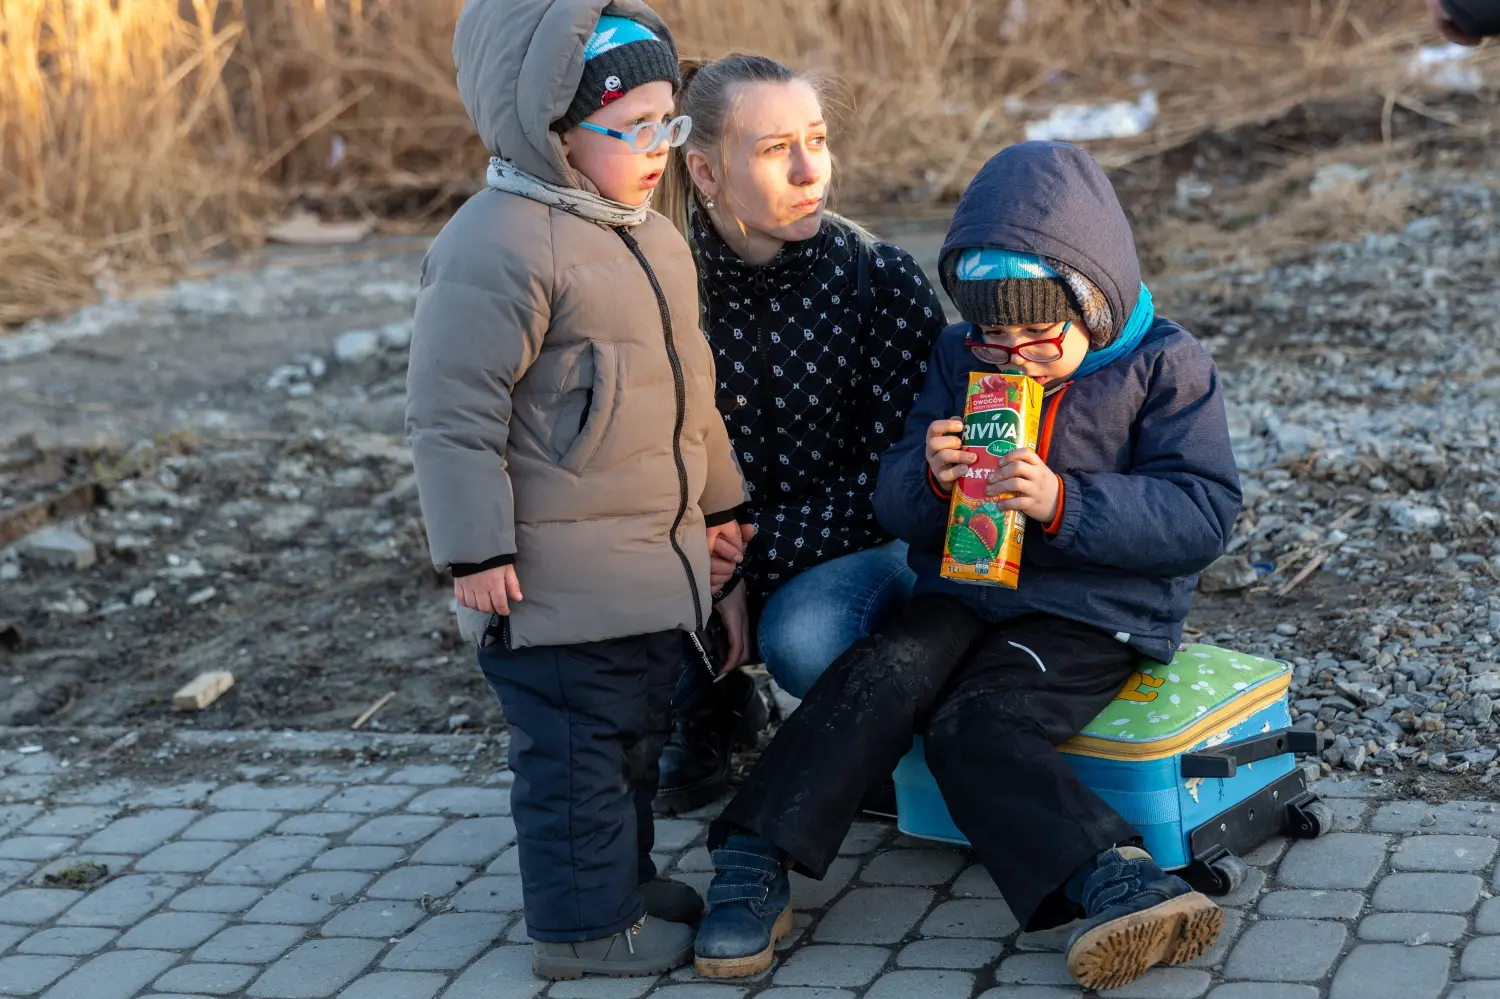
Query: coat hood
(1052,199)
(519,65)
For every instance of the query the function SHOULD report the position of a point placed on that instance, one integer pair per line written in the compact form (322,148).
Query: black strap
(864,293)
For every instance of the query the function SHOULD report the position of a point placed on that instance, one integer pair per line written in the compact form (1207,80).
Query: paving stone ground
(400,882)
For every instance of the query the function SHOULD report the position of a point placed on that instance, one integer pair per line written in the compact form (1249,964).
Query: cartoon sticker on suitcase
(1140,687)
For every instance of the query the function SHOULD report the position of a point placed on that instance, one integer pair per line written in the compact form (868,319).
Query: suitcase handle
(1223,761)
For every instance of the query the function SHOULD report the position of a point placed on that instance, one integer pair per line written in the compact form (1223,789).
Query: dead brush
(117,142)
(137,133)
(1288,211)
(939,85)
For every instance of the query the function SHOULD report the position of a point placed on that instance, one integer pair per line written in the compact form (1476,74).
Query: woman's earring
(709,203)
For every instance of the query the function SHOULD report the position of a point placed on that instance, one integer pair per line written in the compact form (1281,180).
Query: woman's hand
(726,551)
(734,611)
(1026,484)
(946,457)
(490,591)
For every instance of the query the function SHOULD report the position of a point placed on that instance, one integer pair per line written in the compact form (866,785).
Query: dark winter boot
(1138,916)
(650,947)
(707,724)
(749,909)
(673,901)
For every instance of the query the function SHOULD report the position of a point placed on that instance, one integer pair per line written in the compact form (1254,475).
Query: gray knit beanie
(995,287)
(621,55)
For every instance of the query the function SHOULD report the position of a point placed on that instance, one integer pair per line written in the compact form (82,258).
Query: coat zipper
(1044,443)
(678,385)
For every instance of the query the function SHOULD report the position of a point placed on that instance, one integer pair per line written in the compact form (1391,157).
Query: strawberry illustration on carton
(1002,412)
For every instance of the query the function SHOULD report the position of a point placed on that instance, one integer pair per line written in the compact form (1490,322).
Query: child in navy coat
(1130,493)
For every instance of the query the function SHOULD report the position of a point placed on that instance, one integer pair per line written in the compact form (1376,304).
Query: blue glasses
(649,136)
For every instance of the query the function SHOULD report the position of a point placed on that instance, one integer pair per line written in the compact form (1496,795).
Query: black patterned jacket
(816,377)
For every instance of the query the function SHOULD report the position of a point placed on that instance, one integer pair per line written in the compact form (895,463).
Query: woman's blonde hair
(707,95)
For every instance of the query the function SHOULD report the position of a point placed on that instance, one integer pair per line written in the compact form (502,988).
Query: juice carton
(1003,412)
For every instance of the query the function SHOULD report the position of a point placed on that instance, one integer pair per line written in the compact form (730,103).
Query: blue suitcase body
(1211,775)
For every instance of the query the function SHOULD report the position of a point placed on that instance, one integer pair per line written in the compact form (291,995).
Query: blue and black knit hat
(994,287)
(621,55)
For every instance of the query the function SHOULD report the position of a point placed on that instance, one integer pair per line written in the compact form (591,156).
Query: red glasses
(1036,351)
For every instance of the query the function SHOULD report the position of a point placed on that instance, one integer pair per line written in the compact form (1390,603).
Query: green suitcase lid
(1161,702)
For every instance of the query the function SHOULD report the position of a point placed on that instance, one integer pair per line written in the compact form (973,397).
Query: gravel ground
(1364,382)
(276,530)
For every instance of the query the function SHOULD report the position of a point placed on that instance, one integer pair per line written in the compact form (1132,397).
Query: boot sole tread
(740,967)
(1124,949)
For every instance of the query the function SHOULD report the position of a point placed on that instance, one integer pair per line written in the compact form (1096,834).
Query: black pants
(587,726)
(992,701)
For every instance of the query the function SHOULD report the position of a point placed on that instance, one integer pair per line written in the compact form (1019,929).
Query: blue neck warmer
(1141,318)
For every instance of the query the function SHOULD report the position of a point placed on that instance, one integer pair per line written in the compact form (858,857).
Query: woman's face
(774,172)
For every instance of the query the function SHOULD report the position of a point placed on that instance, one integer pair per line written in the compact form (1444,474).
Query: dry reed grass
(117,142)
(139,132)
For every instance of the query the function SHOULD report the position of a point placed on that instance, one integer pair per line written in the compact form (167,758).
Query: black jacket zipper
(677,380)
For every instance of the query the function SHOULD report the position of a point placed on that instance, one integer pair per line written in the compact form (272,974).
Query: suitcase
(1199,755)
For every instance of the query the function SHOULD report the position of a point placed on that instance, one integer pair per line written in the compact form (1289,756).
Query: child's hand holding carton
(1025,484)
(986,518)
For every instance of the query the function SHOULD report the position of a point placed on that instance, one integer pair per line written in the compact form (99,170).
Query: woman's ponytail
(675,194)
(687,72)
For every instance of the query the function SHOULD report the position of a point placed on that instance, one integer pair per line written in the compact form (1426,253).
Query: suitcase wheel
(1311,820)
(1227,874)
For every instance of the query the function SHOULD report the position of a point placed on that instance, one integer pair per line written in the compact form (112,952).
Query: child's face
(1065,343)
(619,172)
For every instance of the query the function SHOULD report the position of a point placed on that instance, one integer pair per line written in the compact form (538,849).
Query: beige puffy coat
(554,412)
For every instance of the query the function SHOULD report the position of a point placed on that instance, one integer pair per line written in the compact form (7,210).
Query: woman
(820,336)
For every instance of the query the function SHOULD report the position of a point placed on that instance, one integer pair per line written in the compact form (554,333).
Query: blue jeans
(810,621)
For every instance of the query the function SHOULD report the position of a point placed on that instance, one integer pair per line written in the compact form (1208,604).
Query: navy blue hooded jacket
(1150,492)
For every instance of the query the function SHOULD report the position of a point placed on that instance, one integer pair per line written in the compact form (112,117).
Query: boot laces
(632,933)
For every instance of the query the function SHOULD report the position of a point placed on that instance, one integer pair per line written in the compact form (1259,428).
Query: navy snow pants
(587,727)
